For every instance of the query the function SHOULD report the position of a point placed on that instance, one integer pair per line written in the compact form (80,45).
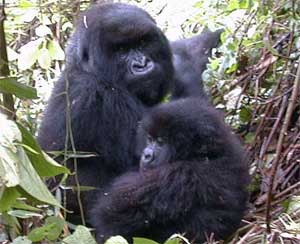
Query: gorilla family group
(160,168)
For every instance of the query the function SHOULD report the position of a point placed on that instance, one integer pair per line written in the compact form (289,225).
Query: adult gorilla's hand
(190,57)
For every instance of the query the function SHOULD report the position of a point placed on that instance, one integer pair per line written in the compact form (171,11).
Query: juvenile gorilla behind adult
(192,179)
(118,64)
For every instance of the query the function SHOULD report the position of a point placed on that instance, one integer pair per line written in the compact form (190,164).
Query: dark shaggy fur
(118,64)
(190,57)
(200,190)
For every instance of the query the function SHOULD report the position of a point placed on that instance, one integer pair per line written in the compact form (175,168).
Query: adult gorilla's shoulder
(118,64)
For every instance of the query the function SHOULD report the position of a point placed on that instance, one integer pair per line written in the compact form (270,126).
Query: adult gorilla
(118,64)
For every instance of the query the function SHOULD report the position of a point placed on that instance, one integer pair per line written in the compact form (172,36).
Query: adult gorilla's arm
(190,57)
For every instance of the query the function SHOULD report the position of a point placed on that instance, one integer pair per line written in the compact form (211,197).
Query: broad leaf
(43,164)
(81,235)
(55,51)
(29,54)
(12,86)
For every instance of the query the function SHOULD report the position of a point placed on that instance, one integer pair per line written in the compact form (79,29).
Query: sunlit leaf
(67,25)
(23,214)
(44,58)
(29,54)
(15,166)
(21,240)
(117,240)
(177,239)
(55,50)
(26,4)
(12,55)
(81,235)
(9,133)
(43,30)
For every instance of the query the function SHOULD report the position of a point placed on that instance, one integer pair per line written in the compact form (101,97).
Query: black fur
(118,64)
(190,57)
(199,191)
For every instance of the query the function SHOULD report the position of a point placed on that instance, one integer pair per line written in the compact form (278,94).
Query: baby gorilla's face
(156,152)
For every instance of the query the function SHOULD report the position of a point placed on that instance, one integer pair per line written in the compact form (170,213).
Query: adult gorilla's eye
(121,47)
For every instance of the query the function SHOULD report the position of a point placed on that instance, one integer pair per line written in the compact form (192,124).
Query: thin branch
(279,147)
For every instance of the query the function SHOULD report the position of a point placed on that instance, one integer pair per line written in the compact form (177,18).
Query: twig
(71,138)
(279,147)
(244,239)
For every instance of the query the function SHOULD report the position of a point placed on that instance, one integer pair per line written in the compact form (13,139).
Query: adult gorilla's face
(123,47)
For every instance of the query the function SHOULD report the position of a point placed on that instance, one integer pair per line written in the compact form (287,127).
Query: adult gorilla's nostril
(142,66)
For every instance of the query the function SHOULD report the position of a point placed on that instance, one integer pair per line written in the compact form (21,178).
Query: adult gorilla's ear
(78,50)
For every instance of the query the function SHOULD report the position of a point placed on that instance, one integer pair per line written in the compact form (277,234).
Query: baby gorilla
(192,180)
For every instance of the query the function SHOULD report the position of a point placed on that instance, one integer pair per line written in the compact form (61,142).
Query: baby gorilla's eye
(149,138)
(160,140)
(142,42)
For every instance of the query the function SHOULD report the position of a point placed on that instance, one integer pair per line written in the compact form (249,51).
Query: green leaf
(214,64)
(43,164)
(29,54)
(294,205)
(23,214)
(174,241)
(51,230)
(38,234)
(12,86)
(238,4)
(245,115)
(15,166)
(26,4)
(44,58)
(249,138)
(116,240)
(55,231)
(55,51)
(8,198)
(29,177)
(22,205)
(138,240)
(81,235)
